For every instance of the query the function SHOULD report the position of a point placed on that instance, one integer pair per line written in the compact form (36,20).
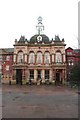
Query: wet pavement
(44,101)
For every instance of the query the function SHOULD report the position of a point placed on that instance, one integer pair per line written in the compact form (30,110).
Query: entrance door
(19,76)
(39,74)
(57,78)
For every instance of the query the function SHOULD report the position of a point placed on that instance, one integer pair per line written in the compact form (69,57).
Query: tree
(75,75)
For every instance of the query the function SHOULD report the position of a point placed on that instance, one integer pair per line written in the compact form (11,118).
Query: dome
(45,39)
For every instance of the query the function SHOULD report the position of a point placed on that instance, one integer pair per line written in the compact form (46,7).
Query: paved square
(44,101)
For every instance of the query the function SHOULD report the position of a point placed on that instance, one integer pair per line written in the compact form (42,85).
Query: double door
(19,76)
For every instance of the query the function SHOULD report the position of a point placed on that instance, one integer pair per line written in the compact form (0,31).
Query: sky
(19,17)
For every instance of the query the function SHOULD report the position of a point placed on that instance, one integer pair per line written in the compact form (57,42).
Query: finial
(39,19)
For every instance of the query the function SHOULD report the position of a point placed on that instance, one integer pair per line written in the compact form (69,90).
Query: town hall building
(39,58)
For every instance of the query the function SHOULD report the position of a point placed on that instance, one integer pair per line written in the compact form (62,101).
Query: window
(46,74)
(31,57)
(46,57)
(70,62)
(39,57)
(8,58)
(58,57)
(31,74)
(0,57)
(14,58)
(7,67)
(69,53)
(20,57)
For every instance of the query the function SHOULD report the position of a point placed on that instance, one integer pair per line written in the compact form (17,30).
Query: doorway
(18,76)
(47,74)
(39,74)
(57,78)
(31,74)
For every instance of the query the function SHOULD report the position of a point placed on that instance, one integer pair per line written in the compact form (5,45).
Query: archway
(57,78)
(18,76)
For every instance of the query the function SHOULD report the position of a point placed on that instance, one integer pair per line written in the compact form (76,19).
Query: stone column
(64,58)
(43,76)
(50,59)
(50,75)
(26,77)
(35,75)
(27,58)
(35,58)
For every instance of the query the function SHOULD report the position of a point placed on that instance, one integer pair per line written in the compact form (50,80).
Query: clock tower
(40,26)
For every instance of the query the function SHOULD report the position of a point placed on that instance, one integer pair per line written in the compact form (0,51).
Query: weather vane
(40,26)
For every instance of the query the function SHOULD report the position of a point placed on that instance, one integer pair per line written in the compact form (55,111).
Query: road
(39,102)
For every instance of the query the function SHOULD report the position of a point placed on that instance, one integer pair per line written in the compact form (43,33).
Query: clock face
(39,38)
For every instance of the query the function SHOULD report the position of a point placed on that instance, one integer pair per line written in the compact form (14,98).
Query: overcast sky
(19,17)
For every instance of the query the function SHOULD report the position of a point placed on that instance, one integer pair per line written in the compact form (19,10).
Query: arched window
(58,57)
(47,57)
(31,57)
(14,58)
(39,57)
(20,57)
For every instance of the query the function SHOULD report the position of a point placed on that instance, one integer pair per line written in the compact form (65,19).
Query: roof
(22,39)
(69,48)
(6,50)
(45,39)
(76,50)
(57,38)
(9,49)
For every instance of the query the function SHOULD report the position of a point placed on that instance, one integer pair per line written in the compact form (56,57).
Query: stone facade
(39,58)
(47,61)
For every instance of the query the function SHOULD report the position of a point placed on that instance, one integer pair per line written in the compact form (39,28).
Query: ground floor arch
(18,76)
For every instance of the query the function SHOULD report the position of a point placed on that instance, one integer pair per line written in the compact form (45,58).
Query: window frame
(20,57)
(46,57)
